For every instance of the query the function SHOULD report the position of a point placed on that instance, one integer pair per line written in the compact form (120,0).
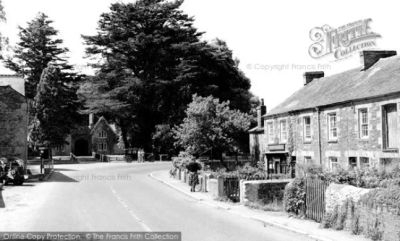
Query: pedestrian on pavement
(193,167)
(141,155)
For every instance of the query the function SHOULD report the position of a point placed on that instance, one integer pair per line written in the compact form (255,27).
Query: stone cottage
(348,120)
(13,117)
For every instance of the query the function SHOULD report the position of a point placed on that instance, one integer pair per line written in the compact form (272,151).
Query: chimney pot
(370,57)
(91,120)
(310,76)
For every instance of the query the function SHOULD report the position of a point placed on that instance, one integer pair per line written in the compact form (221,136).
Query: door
(277,165)
(81,147)
(392,137)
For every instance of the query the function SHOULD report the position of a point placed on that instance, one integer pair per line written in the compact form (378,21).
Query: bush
(269,207)
(383,196)
(365,178)
(180,162)
(330,219)
(342,216)
(247,172)
(295,197)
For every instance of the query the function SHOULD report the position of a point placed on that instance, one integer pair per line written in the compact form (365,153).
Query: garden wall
(338,194)
(379,222)
(215,187)
(263,191)
(363,211)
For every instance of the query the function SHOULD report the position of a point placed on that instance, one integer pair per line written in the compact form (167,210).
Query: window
(307,128)
(352,162)
(385,162)
(363,123)
(364,162)
(60,148)
(332,127)
(389,162)
(333,164)
(270,129)
(102,146)
(283,130)
(103,134)
(390,127)
(307,160)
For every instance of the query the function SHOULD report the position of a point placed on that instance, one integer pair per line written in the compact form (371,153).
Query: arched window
(102,134)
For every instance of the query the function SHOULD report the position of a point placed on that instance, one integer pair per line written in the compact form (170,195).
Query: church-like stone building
(98,137)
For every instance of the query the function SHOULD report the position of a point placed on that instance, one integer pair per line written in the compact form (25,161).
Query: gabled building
(13,117)
(94,138)
(351,119)
(104,137)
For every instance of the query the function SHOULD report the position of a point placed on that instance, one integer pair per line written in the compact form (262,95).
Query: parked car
(12,170)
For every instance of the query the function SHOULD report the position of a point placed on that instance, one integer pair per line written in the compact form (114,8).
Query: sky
(270,38)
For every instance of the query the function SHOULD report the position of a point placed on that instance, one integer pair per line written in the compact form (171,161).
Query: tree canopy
(56,109)
(38,46)
(151,60)
(211,127)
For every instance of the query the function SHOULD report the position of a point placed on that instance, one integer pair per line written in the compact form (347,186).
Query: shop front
(278,163)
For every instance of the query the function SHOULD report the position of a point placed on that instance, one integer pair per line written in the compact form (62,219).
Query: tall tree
(211,127)
(151,63)
(38,47)
(56,108)
(3,39)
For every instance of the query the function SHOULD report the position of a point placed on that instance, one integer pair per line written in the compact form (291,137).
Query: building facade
(257,135)
(13,118)
(348,120)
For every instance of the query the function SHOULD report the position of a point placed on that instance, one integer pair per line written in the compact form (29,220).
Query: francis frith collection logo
(343,41)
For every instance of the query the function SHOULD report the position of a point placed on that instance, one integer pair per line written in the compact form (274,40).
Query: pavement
(276,219)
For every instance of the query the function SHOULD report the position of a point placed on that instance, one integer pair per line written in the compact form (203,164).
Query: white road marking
(130,211)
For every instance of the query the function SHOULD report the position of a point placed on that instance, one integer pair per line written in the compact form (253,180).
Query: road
(123,197)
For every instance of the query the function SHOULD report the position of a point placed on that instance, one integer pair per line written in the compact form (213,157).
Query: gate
(315,198)
(231,188)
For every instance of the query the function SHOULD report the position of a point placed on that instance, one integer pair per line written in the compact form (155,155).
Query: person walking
(193,167)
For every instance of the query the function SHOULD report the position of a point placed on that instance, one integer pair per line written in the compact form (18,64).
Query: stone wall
(378,221)
(361,215)
(13,123)
(263,192)
(337,194)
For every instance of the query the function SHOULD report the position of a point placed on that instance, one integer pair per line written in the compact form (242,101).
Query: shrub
(295,197)
(355,225)
(341,216)
(365,178)
(375,232)
(247,172)
(330,219)
(180,162)
(269,207)
(383,196)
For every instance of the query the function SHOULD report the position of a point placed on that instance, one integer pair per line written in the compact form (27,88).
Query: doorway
(81,147)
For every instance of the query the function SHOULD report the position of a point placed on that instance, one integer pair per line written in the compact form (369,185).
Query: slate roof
(102,119)
(9,94)
(381,79)
(257,130)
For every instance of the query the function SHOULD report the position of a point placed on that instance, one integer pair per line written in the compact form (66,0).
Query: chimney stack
(91,120)
(261,110)
(310,76)
(370,57)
